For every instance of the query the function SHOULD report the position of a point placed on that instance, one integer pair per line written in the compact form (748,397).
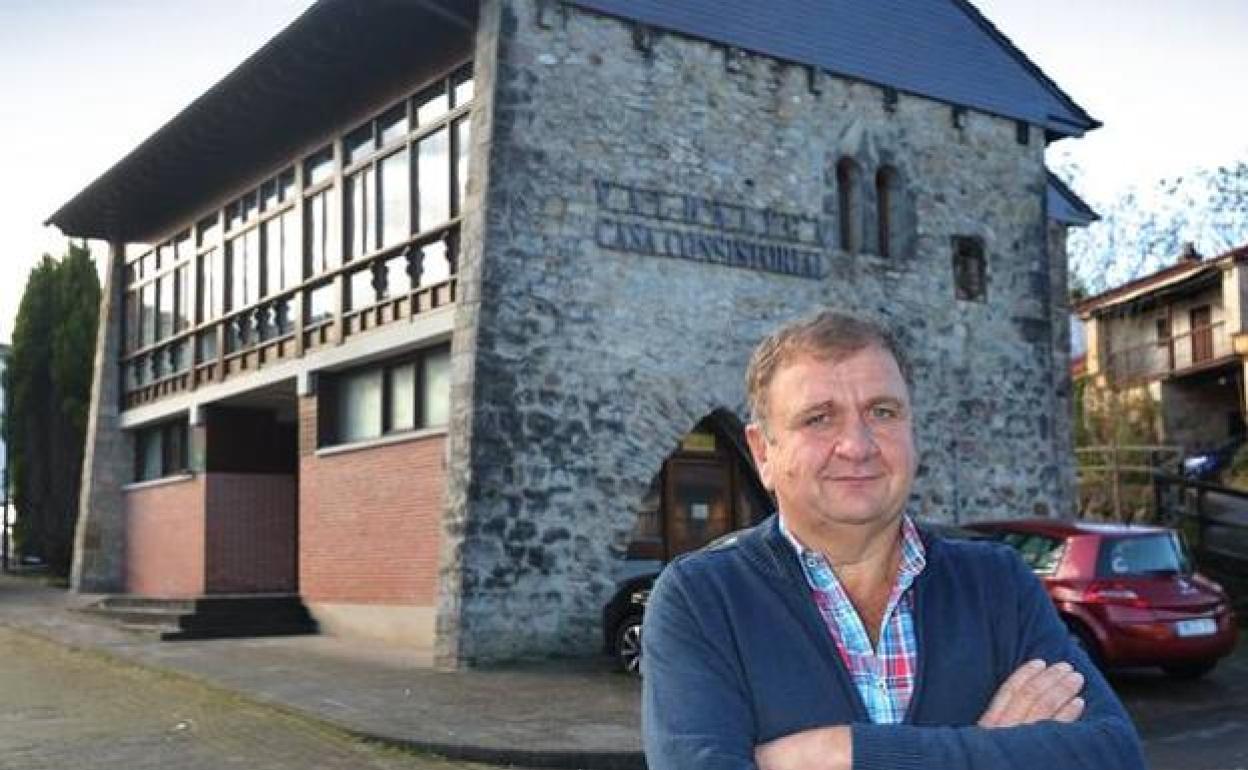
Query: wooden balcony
(316,314)
(1201,348)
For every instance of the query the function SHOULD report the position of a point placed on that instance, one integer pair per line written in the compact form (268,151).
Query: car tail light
(1101,592)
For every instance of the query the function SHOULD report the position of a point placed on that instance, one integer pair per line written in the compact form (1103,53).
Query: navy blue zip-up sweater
(736,654)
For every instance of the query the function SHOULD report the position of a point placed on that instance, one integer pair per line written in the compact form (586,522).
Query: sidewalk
(563,714)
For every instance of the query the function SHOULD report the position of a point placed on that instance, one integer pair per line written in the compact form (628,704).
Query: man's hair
(826,335)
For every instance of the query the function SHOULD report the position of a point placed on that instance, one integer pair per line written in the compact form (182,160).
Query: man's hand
(825,748)
(1034,693)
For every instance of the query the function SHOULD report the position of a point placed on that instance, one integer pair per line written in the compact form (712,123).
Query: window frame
(331,428)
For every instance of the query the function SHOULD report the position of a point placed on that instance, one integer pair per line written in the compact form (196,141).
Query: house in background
(1179,335)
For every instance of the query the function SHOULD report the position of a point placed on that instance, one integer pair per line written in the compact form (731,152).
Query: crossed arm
(1035,692)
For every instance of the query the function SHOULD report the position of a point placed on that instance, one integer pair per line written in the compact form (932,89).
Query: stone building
(1178,338)
(435,312)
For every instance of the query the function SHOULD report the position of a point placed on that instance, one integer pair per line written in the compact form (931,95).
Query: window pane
(207,345)
(164,325)
(150,452)
(435,406)
(233,216)
(463,138)
(395,198)
(286,185)
(268,195)
(182,246)
(172,460)
(318,167)
(359,405)
(434,182)
(208,231)
(359,143)
(241,278)
(272,265)
(164,255)
(403,397)
(210,286)
(393,125)
(463,88)
(322,303)
(360,293)
(321,231)
(148,300)
(254,266)
(431,104)
(434,266)
(292,260)
(183,303)
(360,213)
(249,206)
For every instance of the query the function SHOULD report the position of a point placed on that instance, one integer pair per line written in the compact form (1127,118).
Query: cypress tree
(49,377)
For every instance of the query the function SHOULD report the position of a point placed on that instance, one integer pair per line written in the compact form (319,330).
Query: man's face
(838,448)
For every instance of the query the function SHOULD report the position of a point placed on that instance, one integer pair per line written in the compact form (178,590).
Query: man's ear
(757,440)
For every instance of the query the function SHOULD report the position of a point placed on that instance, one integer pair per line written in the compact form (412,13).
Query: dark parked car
(1128,594)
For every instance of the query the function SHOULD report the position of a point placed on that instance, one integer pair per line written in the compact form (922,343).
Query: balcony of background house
(360,233)
(1205,345)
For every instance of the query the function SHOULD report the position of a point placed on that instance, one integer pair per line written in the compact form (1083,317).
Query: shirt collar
(913,555)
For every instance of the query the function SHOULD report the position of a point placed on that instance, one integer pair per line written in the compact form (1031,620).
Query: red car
(1128,593)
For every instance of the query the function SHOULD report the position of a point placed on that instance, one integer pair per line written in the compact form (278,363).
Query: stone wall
(652,207)
(108,463)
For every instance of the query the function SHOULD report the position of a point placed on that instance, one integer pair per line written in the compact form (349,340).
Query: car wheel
(1190,670)
(628,644)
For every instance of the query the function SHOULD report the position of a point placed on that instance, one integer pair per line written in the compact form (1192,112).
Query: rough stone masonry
(651,206)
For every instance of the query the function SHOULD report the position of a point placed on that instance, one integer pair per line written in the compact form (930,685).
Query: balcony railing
(290,324)
(1202,346)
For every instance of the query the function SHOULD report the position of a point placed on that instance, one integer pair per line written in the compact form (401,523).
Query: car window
(1159,554)
(1040,552)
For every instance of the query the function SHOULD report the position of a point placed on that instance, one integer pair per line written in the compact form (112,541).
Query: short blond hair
(826,335)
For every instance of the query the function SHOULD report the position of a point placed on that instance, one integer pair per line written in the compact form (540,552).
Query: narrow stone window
(887,197)
(969,270)
(849,203)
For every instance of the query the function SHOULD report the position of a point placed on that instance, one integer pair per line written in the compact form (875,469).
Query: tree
(1145,229)
(49,377)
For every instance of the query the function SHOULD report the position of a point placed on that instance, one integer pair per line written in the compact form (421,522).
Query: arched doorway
(706,488)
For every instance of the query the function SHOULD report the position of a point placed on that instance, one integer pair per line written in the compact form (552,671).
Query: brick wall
(250,535)
(165,539)
(370,520)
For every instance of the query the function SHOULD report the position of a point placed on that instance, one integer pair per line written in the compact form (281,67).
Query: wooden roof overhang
(337,60)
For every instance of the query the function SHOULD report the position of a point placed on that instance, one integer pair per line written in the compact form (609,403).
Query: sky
(83,82)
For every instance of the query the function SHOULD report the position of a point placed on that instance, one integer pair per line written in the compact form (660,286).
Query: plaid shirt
(885,676)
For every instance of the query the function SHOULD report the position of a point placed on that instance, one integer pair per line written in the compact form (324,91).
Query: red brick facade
(370,520)
(165,539)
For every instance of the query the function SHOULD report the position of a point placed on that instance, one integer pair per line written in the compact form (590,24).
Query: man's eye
(818,418)
(881,412)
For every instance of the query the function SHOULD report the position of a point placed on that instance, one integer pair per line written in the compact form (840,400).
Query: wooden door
(1202,334)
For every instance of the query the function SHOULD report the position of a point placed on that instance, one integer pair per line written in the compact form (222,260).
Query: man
(834,635)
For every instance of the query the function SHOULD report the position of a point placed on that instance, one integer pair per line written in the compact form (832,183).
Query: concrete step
(209,617)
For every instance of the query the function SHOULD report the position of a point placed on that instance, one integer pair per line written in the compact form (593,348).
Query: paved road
(1200,725)
(62,710)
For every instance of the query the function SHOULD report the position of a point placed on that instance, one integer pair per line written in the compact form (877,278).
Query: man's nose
(857,442)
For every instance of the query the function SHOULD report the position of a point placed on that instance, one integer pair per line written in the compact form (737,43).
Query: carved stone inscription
(681,226)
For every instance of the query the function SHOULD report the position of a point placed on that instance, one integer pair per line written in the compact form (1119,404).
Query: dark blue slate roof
(1064,204)
(942,49)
